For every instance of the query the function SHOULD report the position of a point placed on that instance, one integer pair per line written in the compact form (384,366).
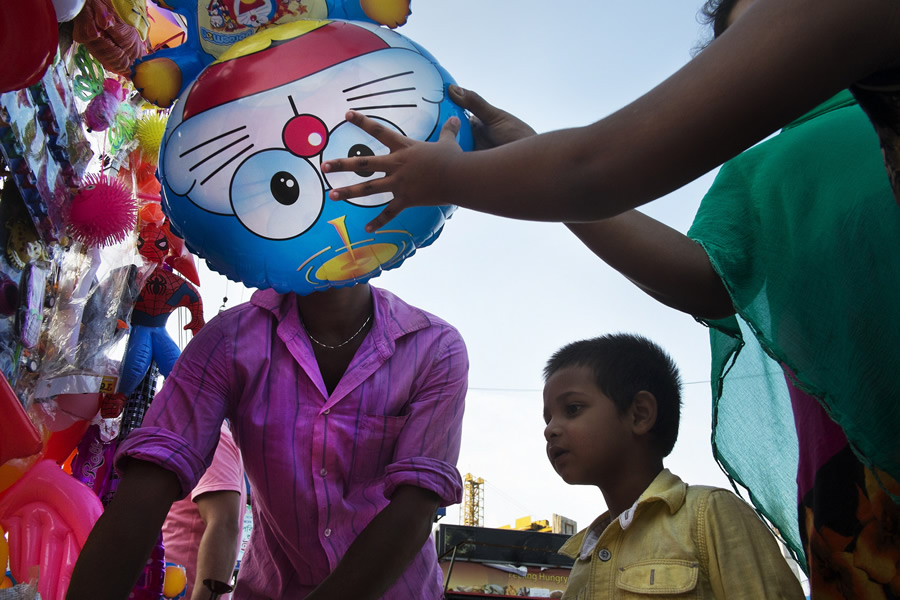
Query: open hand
(412,171)
(491,126)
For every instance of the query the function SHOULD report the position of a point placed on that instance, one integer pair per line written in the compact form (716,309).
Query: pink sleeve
(226,473)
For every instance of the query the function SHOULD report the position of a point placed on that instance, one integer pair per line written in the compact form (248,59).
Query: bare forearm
(663,262)
(216,557)
(771,66)
(123,538)
(217,552)
(367,570)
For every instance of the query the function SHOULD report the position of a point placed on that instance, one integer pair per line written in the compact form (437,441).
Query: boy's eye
(572,409)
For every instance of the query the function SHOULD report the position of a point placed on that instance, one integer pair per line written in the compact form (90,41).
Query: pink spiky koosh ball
(103,211)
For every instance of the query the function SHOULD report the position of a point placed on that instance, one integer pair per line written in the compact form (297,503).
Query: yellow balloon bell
(4,552)
(174,581)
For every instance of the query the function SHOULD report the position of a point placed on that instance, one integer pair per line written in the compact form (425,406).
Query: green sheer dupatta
(803,229)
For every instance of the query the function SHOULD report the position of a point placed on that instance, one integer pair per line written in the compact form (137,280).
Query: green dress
(803,230)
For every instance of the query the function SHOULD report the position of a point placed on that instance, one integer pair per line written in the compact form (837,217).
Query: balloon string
(166,41)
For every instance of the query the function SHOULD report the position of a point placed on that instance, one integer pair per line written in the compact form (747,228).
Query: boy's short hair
(623,365)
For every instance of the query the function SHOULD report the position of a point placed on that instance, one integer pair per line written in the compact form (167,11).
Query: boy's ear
(643,412)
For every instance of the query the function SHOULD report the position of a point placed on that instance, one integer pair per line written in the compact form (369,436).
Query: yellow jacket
(679,541)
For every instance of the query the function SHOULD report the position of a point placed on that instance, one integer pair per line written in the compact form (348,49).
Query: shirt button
(323,472)
(327,532)
(326,411)
(604,555)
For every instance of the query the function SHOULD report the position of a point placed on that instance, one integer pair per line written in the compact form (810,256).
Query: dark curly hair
(715,14)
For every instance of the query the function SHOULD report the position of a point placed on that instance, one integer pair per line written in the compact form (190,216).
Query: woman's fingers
(390,211)
(449,130)
(366,188)
(473,102)
(390,138)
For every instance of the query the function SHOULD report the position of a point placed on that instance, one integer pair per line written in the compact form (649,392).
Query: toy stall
(134,135)
(88,264)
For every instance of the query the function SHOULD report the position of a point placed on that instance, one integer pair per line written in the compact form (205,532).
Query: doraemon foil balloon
(241,157)
(213,26)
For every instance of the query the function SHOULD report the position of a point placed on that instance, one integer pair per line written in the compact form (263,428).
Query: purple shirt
(320,467)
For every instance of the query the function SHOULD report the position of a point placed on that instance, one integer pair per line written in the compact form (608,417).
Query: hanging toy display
(240,162)
(29,37)
(213,26)
(103,212)
(149,133)
(101,111)
(162,293)
(108,31)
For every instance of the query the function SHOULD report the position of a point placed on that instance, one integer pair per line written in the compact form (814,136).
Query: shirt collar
(394,318)
(665,487)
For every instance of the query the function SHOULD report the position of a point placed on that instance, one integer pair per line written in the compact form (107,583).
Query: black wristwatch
(216,588)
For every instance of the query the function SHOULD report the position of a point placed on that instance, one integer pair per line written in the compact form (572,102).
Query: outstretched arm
(384,549)
(122,539)
(217,553)
(663,262)
(775,63)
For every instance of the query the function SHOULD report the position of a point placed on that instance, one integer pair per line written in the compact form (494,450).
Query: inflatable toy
(4,551)
(110,38)
(213,26)
(29,36)
(19,437)
(166,28)
(48,516)
(65,422)
(241,157)
(66,10)
(175,581)
(162,293)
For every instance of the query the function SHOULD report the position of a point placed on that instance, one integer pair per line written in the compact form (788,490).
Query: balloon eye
(349,141)
(276,195)
(285,188)
(359,150)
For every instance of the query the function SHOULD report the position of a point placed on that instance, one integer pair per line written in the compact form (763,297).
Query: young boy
(612,406)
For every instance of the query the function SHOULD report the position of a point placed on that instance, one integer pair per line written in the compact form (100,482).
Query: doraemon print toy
(213,26)
(241,157)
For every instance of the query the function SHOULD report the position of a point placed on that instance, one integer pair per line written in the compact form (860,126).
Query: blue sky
(517,291)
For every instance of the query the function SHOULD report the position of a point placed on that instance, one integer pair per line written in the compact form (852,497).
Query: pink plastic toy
(48,516)
(18,435)
(103,211)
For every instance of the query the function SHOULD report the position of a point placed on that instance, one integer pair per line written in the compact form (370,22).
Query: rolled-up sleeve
(181,428)
(428,445)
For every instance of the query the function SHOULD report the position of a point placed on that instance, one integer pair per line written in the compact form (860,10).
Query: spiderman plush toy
(161,294)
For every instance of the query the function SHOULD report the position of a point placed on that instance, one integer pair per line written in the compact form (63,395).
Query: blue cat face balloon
(241,157)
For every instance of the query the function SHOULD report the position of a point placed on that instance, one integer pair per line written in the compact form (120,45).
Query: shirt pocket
(670,578)
(375,446)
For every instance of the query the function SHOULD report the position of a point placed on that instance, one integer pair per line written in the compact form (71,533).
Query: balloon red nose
(305,135)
